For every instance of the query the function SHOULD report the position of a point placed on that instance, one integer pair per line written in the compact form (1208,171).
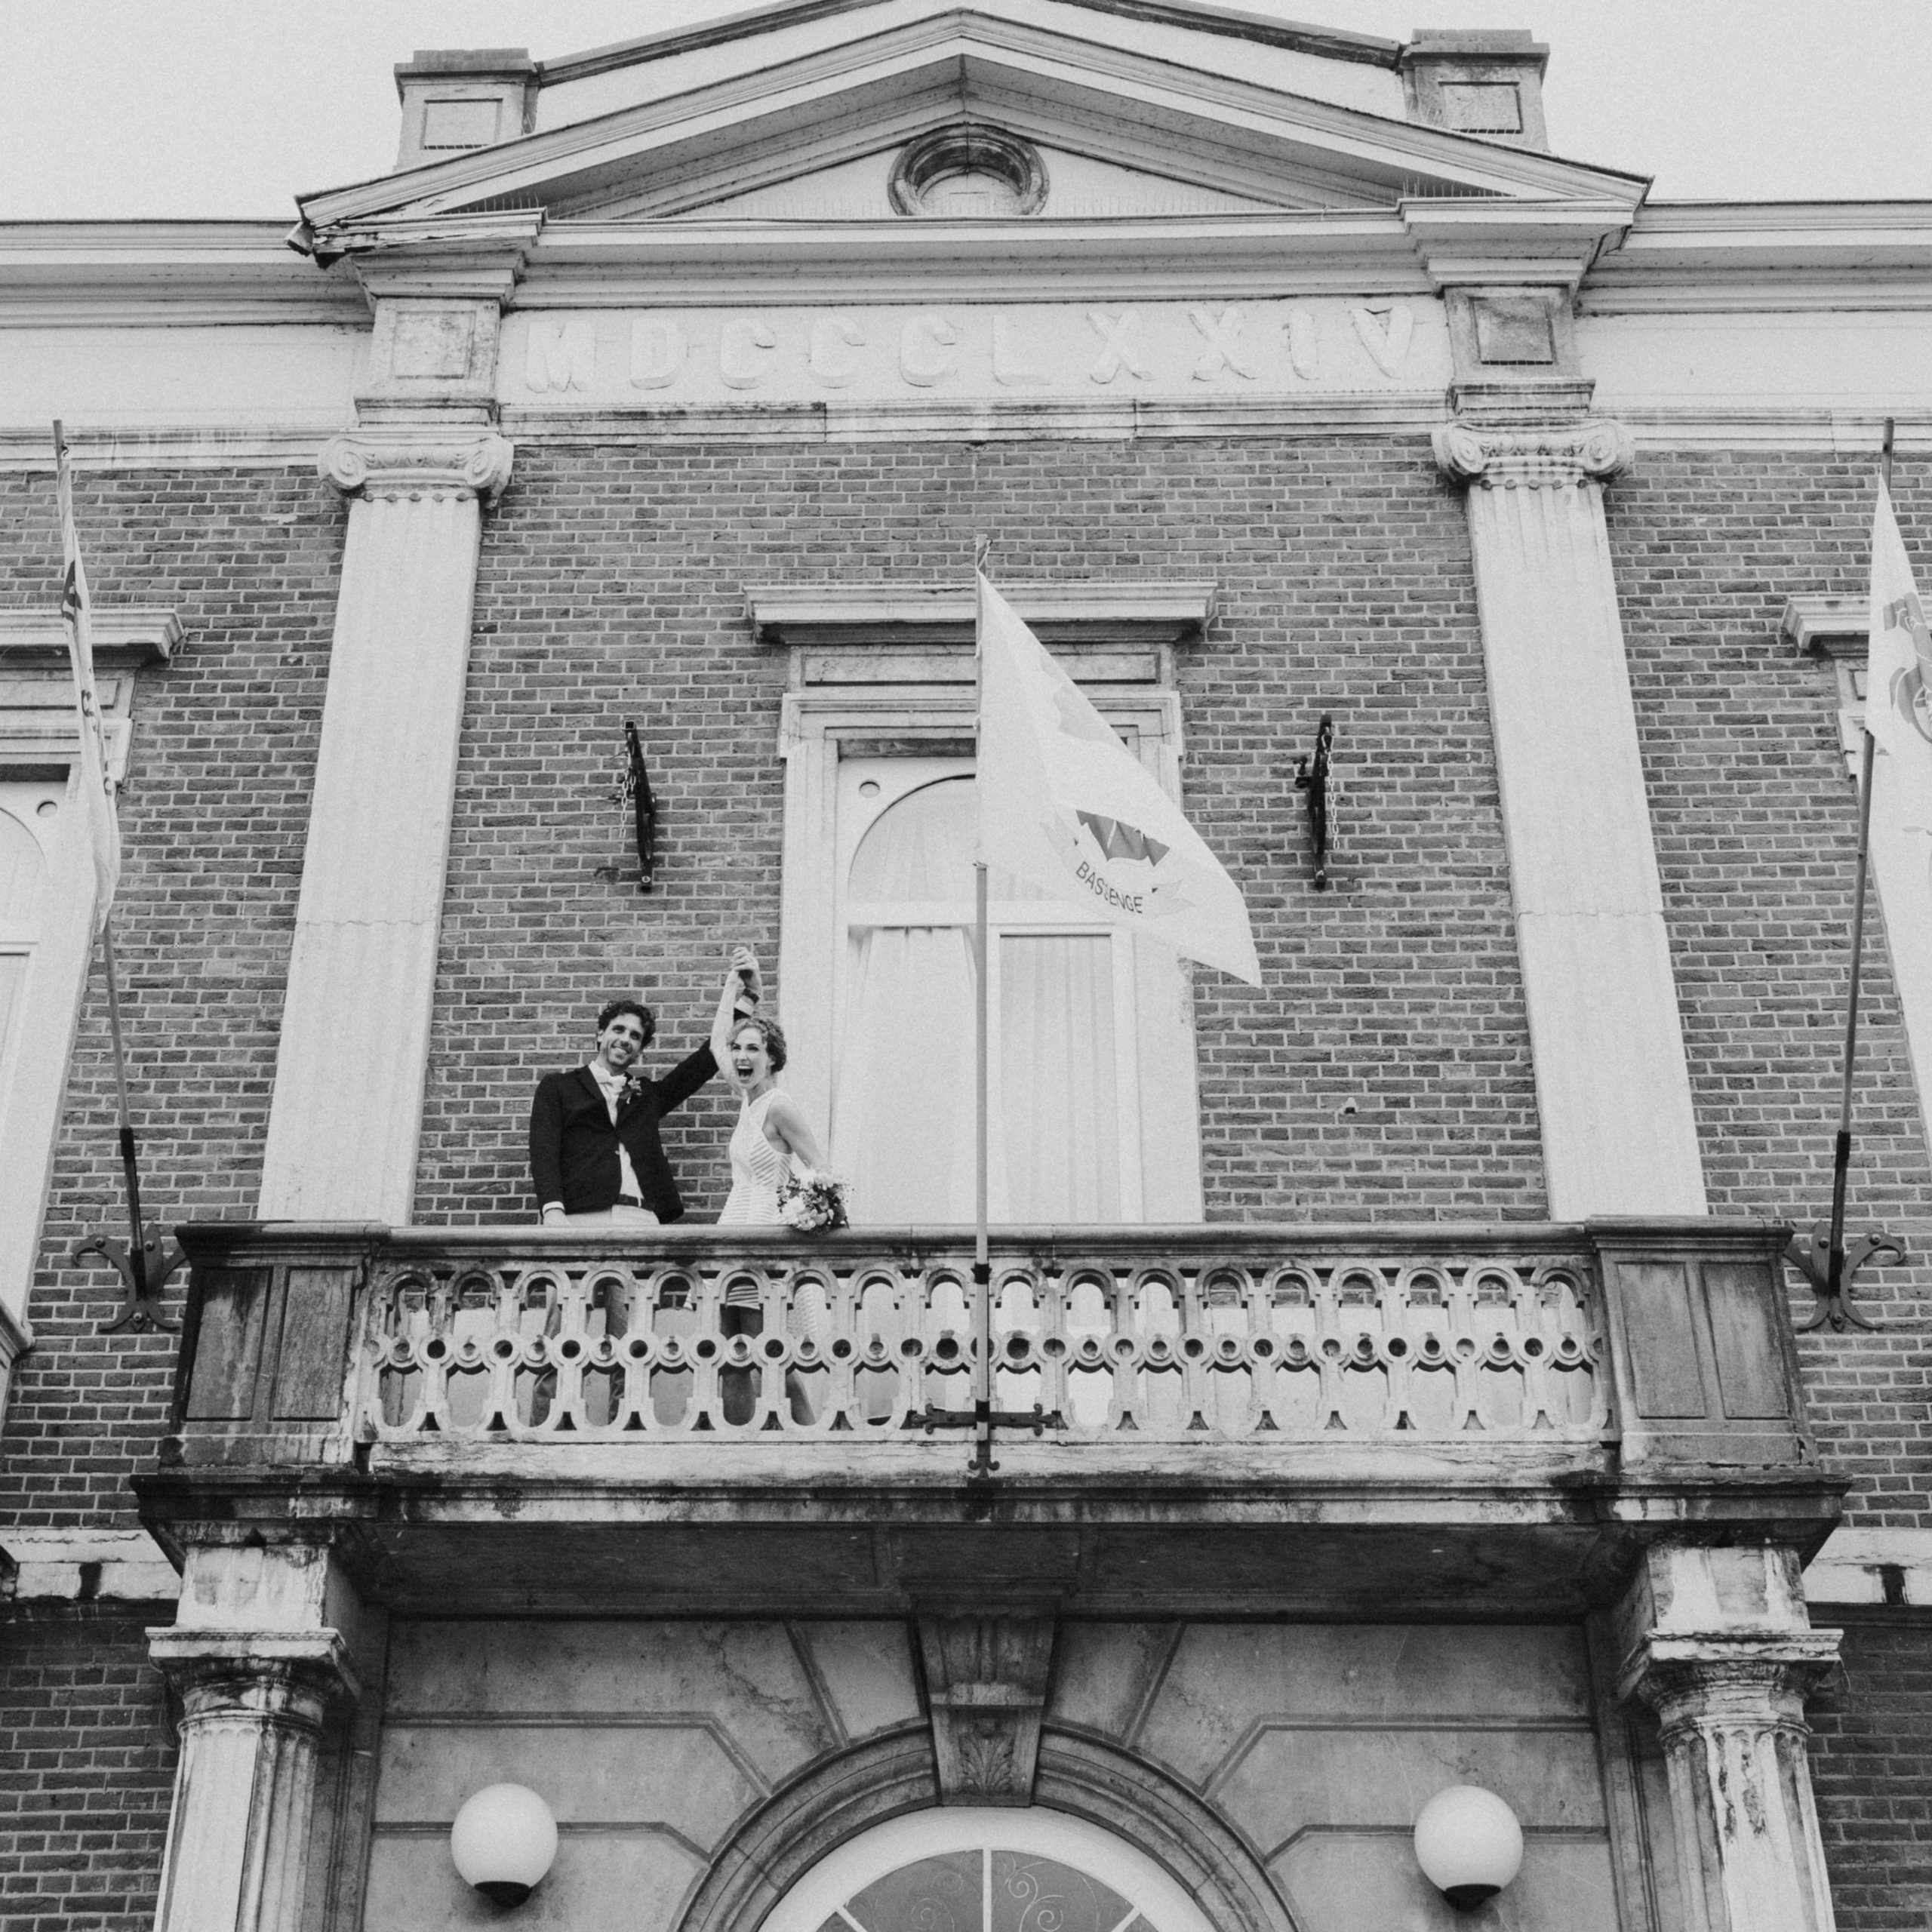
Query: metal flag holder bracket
(1811,1254)
(633,789)
(1311,777)
(141,1285)
(144,1262)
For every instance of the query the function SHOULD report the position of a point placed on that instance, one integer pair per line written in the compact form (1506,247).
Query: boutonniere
(634,1082)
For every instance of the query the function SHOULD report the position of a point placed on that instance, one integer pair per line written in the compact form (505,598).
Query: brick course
(213,824)
(612,585)
(86,1768)
(1872,1769)
(1756,827)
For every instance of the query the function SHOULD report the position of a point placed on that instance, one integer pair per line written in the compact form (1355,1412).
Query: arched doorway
(985,1869)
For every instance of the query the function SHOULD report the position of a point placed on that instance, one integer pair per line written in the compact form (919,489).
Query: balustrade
(1261,1347)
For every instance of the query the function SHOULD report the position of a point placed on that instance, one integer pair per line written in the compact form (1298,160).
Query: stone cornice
(126,637)
(1491,242)
(928,613)
(1821,625)
(400,461)
(597,264)
(162,274)
(1555,455)
(1326,43)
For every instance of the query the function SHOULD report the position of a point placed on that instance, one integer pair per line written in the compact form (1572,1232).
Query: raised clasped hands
(744,965)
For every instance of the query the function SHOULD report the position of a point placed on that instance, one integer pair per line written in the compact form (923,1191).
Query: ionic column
(347,1107)
(238,1841)
(1726,1663)
(1619,1133)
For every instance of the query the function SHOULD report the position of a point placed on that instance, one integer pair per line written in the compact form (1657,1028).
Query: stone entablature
(1209,349)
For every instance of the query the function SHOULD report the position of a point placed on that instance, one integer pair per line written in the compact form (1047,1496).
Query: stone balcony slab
(1495,1416)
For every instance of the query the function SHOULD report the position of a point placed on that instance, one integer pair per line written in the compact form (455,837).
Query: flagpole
(143,1271)
(982,1290)
(138,1256)
(1842,1148)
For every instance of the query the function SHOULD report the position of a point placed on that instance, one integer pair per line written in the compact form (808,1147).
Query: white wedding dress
(758,1169)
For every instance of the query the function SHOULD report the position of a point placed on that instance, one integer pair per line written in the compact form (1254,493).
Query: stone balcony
(1404,1420)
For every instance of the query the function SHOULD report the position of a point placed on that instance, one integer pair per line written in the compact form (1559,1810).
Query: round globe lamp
(503,1841)
(1469,1844)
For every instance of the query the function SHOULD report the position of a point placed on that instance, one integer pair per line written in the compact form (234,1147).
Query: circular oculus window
(968,171)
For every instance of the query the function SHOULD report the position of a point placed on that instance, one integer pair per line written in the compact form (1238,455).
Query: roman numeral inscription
(686,357)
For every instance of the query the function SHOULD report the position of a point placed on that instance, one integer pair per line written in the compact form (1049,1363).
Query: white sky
(156,108)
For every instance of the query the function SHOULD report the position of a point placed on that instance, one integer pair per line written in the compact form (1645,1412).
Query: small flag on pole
(1898,687)
(96,787)
(1066,806)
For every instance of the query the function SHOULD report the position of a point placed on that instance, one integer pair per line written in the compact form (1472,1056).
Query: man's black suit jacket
(574,1147)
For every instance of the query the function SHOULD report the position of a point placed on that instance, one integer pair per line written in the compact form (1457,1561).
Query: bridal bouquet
(812,1206)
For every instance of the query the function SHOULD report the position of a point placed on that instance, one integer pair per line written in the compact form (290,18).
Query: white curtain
(1058,1103)
(902,1110)
(902,1130)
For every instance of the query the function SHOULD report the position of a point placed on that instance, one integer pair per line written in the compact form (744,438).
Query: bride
(772,1143)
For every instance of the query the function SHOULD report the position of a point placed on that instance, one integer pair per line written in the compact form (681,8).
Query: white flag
(1065,804)
(1898,683)
(96,788)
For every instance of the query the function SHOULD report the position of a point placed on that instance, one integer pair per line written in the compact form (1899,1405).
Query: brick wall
(1757,827)
(86,1768)
(1872,1769)
(611,587)
(213,824)
(1385,1071)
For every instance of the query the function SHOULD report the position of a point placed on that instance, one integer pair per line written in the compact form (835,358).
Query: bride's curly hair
(769,1030)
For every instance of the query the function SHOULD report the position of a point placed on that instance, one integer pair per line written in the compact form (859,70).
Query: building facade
(1406,1384)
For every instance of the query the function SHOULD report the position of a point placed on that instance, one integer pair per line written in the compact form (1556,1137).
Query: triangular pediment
(813,132)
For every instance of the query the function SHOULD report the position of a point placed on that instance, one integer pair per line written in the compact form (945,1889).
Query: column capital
(264,1674)
(1533,455)
(1696,1682)
(400,461)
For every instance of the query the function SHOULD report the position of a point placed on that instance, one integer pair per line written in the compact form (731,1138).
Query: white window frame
(38,739)
(887,670)
(1152,1890)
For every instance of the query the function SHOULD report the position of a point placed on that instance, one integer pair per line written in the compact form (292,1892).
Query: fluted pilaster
(1750,1857)
(1619,1135)
(346,1111)
(253,1707)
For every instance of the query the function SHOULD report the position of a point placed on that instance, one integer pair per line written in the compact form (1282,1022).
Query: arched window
(970,1869)
(1062,1070)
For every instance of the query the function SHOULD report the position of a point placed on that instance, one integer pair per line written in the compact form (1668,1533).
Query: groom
(594,1154)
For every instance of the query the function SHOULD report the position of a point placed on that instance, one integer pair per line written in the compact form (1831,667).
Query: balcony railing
(1664,1343)
(1251,1347)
